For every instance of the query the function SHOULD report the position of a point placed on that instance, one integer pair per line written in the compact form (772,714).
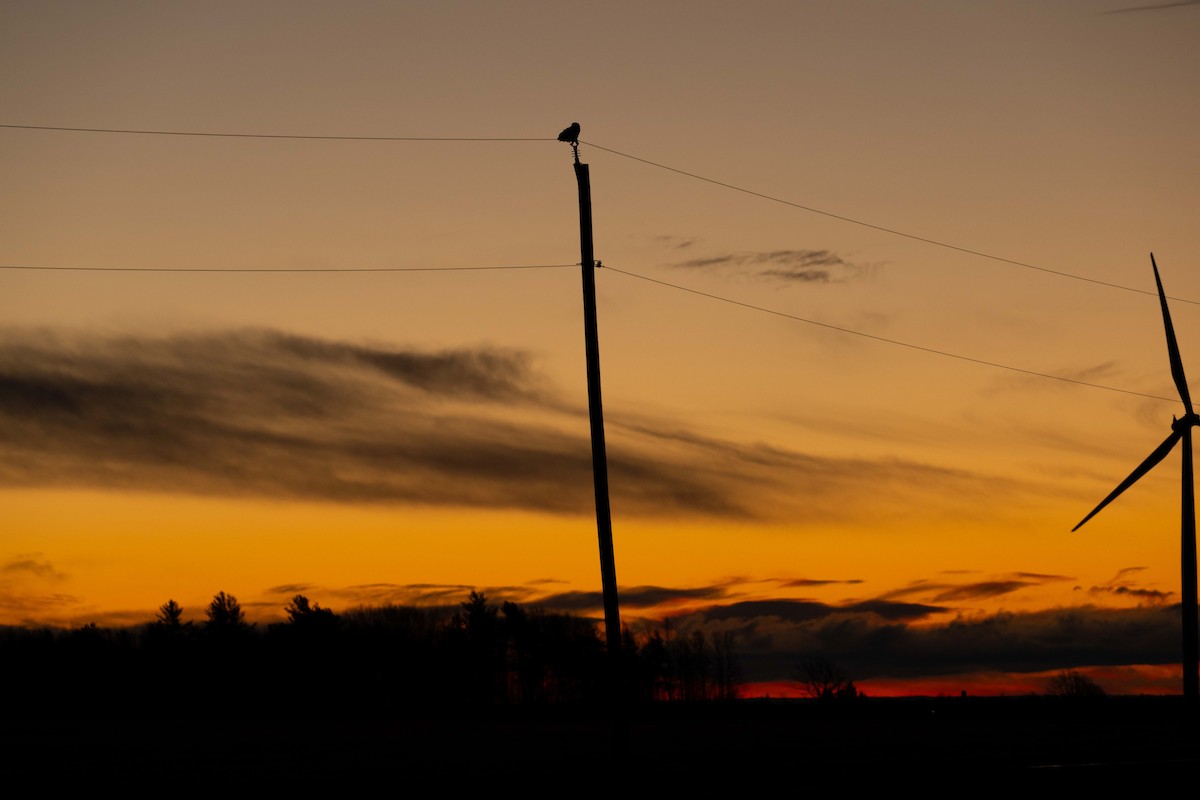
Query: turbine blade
(1172,345)
(1151,461)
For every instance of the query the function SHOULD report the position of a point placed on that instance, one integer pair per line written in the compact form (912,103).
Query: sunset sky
(410,436)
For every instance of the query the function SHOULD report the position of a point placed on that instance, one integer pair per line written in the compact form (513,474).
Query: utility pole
(608,563)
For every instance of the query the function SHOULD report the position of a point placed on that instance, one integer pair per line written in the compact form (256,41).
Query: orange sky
(407,437)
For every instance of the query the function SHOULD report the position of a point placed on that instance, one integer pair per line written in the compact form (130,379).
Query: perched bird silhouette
(570,134)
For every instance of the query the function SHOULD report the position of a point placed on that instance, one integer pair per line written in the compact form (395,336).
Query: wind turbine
(1181,430)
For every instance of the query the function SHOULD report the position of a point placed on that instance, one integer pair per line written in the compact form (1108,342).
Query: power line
(771,198)
(287,135)
(751,306)
(283,269)
(883,229)
(886,340)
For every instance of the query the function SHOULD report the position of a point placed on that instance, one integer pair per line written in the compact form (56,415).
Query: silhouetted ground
(693,744)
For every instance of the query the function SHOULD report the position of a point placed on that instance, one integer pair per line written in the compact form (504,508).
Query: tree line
(366,661)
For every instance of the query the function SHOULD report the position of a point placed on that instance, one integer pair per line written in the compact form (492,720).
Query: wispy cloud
(290,589)
(30,589)
(1124,585)
(803,266)
(1107,372)
(253,413)
(31,564)
(1153,7)
(261,413)
(633,597)
(36,608)
(677,242)
(946,592)
(980,590)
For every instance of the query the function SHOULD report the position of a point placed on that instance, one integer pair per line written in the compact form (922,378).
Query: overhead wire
(606,267)
(883,229)
(709,295)
(283,269)
(613,151)
(287,135)
(885,339)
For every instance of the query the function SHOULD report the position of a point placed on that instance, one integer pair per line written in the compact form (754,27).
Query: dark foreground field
(744,740)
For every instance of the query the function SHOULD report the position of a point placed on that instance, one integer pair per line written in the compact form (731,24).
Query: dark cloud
(804,582)
(290,589)
(782,258)
(268,608)
(801,275)
(809,610)
(263,414)
(631,597)
(889,610)
(1149,595)
(485,374)
(829,488)
(31,564)
(1042,577)
(1045,640)
(975,591)
(23,579)
(805,266)
(576,602)
(678,242)
(786,610)
(260,413)
(772,636)
(36,609)
(1123,585)
(993,588)
(943,592)
(887,637)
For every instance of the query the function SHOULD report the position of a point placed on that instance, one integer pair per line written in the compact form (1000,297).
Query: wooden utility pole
(608,563)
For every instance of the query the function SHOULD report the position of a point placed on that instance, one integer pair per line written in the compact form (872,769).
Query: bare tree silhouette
(821,679)
(727,673)
(1070,683)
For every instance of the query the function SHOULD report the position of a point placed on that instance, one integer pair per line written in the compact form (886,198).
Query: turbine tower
(1181,430)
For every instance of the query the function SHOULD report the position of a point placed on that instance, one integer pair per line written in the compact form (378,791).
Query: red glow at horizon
(1158,679)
